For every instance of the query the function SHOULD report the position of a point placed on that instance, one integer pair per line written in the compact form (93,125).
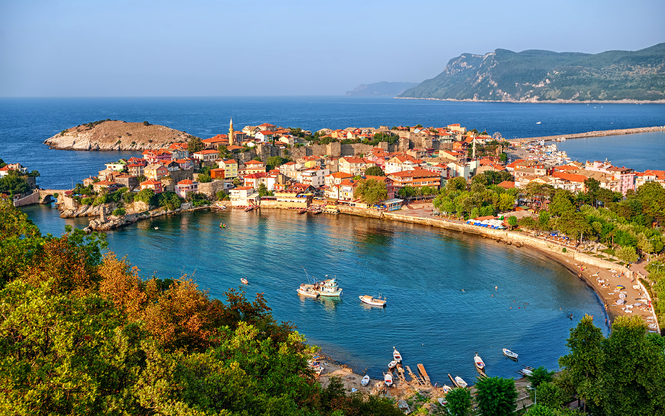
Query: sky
(102,48)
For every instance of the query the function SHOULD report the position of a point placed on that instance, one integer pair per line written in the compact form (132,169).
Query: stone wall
(33,198)
(210,189)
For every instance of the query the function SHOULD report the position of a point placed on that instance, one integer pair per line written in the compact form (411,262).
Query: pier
(601,133)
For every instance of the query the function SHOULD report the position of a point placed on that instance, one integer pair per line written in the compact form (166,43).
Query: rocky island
(116,135)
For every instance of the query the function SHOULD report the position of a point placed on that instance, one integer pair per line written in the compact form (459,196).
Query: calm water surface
(440,286)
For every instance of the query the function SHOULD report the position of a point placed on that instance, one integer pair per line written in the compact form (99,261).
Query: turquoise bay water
(440,286)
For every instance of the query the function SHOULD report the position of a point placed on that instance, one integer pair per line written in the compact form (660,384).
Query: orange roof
(253,162)
(351,159)
(186,182)
(230,161)
(243,188)
(151,182)
(416,173)
(569,177)
(507,184)
(341,175)
(206,152)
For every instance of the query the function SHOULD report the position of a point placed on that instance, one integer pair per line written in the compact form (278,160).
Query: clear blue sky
(286,47)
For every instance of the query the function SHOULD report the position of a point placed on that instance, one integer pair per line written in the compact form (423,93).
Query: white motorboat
(372,301)
(365,381)
(442,401)
(478,362)
(508,353)
(460,382)
(392,364)
(447,389)
(388,379)
(308,291)
(244,281)
(397,356)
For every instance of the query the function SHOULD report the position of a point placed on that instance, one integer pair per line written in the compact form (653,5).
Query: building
(254,166)
(207,155)
(356,166)
(401,163)
(184,187)
(230,167)
(156,186)
(416,178)
(314,177)
(155,171)
(108,185)
(243,196)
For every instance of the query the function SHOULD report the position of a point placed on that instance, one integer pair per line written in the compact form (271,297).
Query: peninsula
(545,76)
(116,135)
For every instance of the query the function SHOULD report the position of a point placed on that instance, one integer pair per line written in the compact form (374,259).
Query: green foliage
(371,191)
(171,201)
(118,211)
(275,161)
(263,190)
(496,396)
(14,183)
(550,395)
(128,197)
(222,195)
(195,145)
(459,402)
(204,178)
(627,254)
(145,123)
(456,184)
(407,192)
(512,221)
(374,171)
(539,410)
(145,195)
(540,375)
(87,201)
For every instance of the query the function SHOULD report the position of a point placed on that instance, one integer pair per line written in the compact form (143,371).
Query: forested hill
(535,76)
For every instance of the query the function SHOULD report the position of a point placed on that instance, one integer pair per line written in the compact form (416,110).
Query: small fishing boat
(526,371)
(478,362)
(249,208)
(156,228)
(397,356)
(460,382)
(392,364)
(447,389)
(222,225)
(508,353)
(244,281)
(303,211)
(388,379)
(365,380)
(442,401)
(329,288)
(372,301)
(308,291)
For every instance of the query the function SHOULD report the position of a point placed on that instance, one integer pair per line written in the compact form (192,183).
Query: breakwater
(601,133)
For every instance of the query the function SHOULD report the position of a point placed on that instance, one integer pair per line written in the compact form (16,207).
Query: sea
(453,294)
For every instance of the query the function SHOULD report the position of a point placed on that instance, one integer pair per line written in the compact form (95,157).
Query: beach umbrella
(621,287)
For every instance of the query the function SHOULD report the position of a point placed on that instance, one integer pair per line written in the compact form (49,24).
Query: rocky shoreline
(534,101)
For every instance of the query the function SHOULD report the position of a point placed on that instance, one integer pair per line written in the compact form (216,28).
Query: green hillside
(536,75)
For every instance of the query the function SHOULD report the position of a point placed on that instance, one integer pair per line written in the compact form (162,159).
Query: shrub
(564,250)
(87,201)
(118,211)
(145,123)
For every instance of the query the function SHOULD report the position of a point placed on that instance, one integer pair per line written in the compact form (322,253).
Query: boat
(526,371)
(329,288)
(442,401)
(397,356)
(244,281)
(478,362)
(222,225)
(364,381)
(392,364)
(308,291)
(331,209)
(447,389)
(303,211)
(372,301)
(388,379)
(508,353)
(156,228)
(249,208)
(460,382)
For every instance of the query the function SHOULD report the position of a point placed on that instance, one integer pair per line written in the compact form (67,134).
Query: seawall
(601,133)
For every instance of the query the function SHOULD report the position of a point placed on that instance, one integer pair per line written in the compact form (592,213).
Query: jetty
(600,133)
(423,374)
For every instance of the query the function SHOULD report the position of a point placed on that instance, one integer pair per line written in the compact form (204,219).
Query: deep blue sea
(440,286)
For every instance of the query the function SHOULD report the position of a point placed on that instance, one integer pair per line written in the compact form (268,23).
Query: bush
(145,123)
(87,201)
(564,250)
(128,197)
(118,211)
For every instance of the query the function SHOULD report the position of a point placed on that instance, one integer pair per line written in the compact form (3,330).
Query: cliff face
(116,135)
(544,76)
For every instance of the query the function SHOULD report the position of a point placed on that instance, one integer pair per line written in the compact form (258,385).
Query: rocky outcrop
(116,135)
(87,210)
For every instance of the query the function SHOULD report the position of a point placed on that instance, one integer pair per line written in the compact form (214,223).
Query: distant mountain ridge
(381,89)
(545,76)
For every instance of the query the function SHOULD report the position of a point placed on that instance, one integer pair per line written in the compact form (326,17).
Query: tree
(263,190)
(584,362)
(145,195)
(374,171)
(496,396)
(538,410)
(506,202)
(275,161)
(456,184)
(195,145)
(459,402)
(551,395)
(512,221)
(407,192)
(222,195)
(561,203)
(371,191)
(540,375)
(145,123)
(627,254)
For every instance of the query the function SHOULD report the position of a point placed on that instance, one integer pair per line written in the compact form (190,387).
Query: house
(108,185)
(346,188)
(353,165)
(127,180)
(117,166)
(400,163)
(254,179)
(217,173)
(135,169)
(390,186)
(156,186)
(267,127)
(314,177)
(177,154)
(506,185)
(289,169)
(416,178)
(156,156)
(264,136)
(292,198)
(568,181)
(185,164)
(185,187)
(209,155)
(312,162)
(254,166)
(230,167)
(336,178)
(155,171)
(218,140)
(243,196)
(172,166)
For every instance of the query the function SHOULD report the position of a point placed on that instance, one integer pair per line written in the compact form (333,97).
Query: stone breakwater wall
(586,135)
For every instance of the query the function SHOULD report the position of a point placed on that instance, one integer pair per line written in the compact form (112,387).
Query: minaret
(474,147)
(231,138)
